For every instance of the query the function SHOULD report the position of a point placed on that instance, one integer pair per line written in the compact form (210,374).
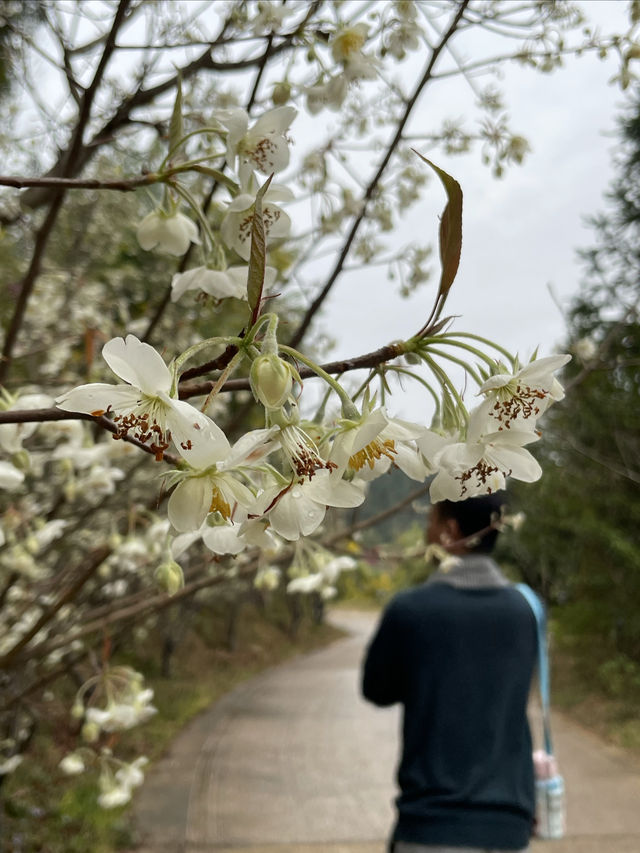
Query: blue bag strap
(543,660)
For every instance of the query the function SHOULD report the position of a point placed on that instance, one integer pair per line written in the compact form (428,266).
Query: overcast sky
(520,233)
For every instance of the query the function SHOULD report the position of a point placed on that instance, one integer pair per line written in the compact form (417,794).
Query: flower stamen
(373,451)
(523,402)
(218,503)
(483,471)
(143,431)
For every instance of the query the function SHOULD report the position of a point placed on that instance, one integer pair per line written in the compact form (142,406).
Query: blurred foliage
(581,542)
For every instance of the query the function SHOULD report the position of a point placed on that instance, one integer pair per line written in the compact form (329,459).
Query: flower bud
(169,577)
(271,380)
(90,732)
(21,460)
(281,94)
(77,709)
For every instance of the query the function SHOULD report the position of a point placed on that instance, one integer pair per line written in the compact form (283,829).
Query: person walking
(459,652)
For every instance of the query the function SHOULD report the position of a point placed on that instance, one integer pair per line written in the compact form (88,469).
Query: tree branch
(67,166)
(319,300)
(142,97)
(94,561)
(369,360)
(162,307)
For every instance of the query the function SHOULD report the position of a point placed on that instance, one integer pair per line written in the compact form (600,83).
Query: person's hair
(476,515)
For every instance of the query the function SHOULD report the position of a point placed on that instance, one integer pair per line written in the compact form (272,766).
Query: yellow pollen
(219,504)
(373,451)
(348,43)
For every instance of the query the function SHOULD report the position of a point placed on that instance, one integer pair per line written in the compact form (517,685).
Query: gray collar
(472,571)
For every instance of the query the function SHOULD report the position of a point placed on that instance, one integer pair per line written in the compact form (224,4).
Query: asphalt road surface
(294,761)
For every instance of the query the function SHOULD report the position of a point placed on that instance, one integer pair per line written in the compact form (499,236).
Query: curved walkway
(294,761)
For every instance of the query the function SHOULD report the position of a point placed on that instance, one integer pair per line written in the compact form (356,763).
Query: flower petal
(137,363)
(296,514)
(410,462)
(10,477)
(189,504)
(197,438)
(97,397)
(224,539)
(541,369)
(333,491)
(516,462)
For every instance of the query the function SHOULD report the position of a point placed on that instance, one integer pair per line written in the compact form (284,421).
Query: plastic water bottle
(550,807)
(555,807)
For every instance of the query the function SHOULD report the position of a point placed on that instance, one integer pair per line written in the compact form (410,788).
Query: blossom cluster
(282,478)
(126,704)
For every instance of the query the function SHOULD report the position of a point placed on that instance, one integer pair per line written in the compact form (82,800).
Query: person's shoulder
(412,598)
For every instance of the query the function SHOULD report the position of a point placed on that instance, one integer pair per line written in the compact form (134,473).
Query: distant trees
(582,540)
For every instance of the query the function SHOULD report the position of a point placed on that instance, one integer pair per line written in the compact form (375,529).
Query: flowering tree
(163,234)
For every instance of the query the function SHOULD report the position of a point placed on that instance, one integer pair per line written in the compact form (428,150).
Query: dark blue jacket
(460,661)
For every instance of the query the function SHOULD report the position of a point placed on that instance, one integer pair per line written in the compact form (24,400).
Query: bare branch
(124,185)
(29,280)
(69,166)
(319,300)
(91,566)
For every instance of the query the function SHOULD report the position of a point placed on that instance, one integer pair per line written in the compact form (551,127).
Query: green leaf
(450,229)
(176,128)
(258,256)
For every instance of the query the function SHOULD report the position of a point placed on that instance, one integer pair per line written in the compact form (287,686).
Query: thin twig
(373,185)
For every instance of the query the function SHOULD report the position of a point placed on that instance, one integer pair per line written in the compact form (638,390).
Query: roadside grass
(48,812)
(596,689)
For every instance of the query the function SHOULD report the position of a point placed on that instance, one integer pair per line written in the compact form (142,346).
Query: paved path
(294,761)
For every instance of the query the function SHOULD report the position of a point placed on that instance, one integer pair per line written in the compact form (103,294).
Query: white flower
(330,94)
(131,775)
(332,569)
(299,509)
(51,531)
(217,283)
(238,222)
(481,464)
(586,349)
(72,764)
(142,408)
(12,435)
(263,147)
(271,16)
(122,716)
(213,484)
(267,578)
(374,441)
(10,764)
(233,537)
(300,451)
(518,399)
(348,42)
(170,232)
(346,47)
(81,457)
(101,480)
(306,584)
(516,520)
(112,794)
(10,477)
